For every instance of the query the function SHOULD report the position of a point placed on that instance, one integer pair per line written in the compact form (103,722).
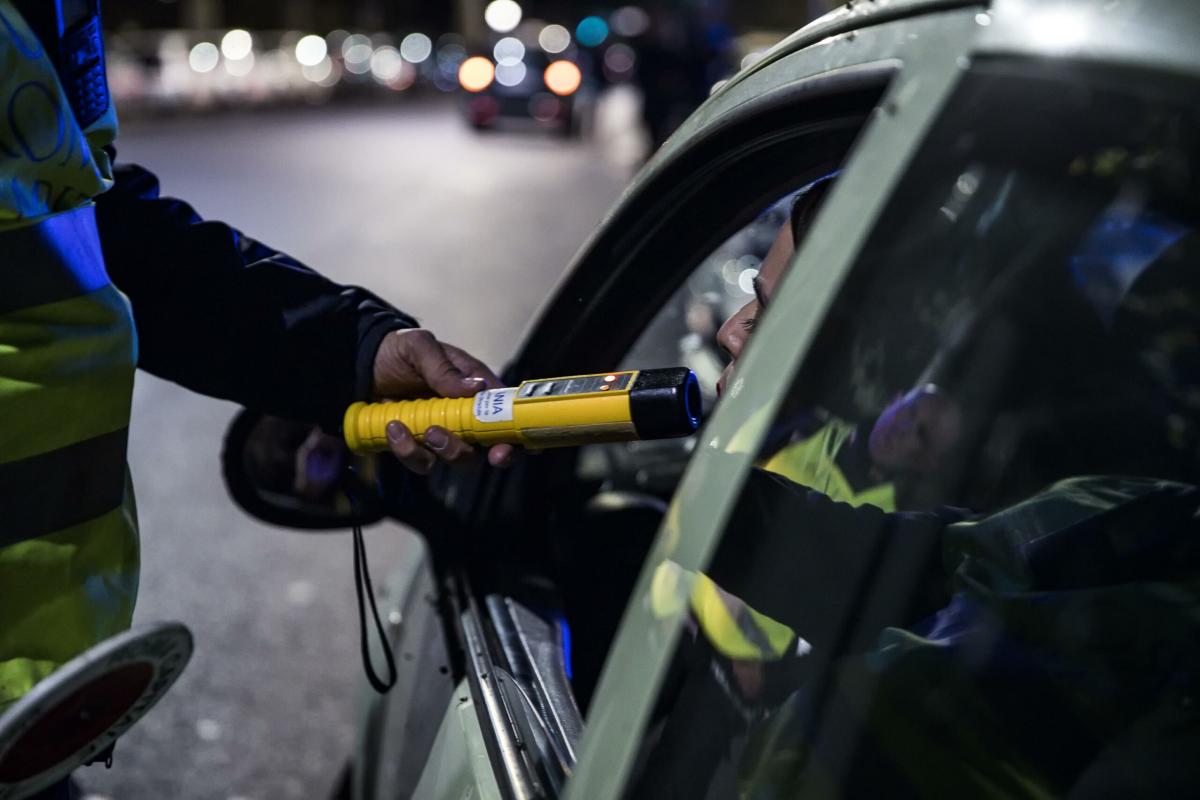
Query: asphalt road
(469,233)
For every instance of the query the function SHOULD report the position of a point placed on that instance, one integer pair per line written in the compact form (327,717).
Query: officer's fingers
(405,447)
(447,446)
(429,358)
(471,366)
(500,455)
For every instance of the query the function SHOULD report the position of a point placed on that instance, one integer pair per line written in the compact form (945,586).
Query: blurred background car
(521,85)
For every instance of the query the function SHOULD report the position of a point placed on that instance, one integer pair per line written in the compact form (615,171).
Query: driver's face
(736,331)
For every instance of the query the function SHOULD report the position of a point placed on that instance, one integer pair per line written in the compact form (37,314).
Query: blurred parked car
(528,87)
(1014,219)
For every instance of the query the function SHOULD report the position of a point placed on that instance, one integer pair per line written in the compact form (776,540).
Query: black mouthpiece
(665,403)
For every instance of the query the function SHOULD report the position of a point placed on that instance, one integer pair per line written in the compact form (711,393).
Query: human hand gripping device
(552,412)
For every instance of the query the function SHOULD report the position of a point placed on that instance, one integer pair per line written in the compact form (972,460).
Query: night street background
(467,232)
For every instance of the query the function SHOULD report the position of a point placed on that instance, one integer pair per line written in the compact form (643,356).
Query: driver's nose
(732,338)
(733,334)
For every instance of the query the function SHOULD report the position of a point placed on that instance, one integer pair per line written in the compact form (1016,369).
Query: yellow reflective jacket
(68,532)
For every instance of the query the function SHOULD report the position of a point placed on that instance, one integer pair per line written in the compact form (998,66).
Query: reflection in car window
(1017,350)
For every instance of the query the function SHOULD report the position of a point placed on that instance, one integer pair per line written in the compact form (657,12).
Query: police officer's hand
(411,364)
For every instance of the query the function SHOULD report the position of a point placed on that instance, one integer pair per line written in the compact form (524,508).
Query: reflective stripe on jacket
(812,462)
(68,534)
(732,627)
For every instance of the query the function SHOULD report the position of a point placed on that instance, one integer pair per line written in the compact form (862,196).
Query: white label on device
(495,405)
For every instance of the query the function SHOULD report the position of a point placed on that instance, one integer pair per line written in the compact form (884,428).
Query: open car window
(967,560)
(684,333)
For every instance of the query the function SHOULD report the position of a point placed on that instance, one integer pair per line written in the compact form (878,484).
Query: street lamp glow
(204,57)
(236,44)
(352,41)
(554,38)
(358,58)
(591,31)
(509,51)
(386,64)
(311,50)
(630,21)
(619,59)
(237,67)
(510,74)
(319,72)
(502,15)
(416,47)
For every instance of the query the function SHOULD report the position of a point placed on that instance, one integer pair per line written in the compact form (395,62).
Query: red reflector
(73,722)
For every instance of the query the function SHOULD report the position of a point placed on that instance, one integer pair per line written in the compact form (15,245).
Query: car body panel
(932,48)
(393,733)
(847,20)
(458,767)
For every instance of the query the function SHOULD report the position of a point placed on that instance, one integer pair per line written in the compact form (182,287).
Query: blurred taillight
(476,74)
(563,78)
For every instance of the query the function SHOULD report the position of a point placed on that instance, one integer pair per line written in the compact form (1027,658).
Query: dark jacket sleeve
(229,317)
(805,560)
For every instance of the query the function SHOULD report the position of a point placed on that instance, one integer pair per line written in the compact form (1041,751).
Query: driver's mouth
(721,380)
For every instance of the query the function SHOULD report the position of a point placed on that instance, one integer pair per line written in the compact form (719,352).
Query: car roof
(1145,31)
(853,16)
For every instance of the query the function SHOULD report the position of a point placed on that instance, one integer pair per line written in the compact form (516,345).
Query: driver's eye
(749,323)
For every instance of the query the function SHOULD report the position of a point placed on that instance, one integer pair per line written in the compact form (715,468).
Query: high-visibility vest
(813,461)
(68,532)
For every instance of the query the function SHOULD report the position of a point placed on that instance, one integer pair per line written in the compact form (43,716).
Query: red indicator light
(609,378)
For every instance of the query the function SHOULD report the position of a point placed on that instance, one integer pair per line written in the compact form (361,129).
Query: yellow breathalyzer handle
(553,412)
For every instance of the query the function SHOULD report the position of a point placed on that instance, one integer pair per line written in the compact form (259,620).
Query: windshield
(967,563)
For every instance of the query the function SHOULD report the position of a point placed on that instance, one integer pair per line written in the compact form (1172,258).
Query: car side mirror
(293,474)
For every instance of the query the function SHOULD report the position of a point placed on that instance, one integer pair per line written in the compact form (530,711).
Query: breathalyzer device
(552,412)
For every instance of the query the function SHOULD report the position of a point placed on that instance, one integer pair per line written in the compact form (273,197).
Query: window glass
(968,561)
